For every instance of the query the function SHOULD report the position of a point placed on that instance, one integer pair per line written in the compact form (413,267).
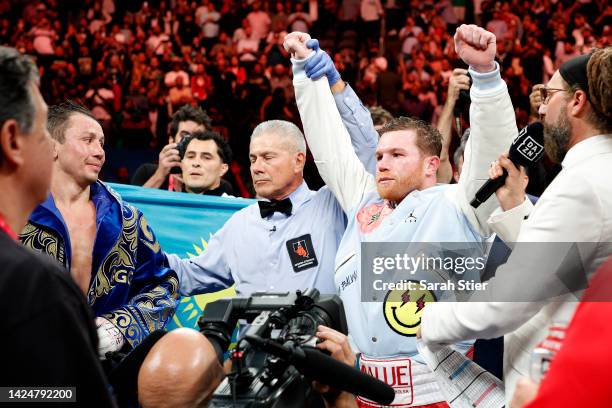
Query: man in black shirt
(47,337)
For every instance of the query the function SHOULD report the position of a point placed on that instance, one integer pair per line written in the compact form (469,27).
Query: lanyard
(5,227)
(170,183)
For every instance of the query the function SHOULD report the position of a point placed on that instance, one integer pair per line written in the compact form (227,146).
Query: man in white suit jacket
(575,208)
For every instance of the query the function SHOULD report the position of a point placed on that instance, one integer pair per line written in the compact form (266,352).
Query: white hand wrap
(110,338)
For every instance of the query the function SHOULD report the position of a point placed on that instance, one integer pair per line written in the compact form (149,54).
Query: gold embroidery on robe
(39,239)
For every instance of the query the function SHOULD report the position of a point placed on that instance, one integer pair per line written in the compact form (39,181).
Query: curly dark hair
(599,70)
(188,112)
(223,149)
(429,139)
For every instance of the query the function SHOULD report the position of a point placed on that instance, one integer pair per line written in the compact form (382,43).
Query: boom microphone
(318,366)
(526,150)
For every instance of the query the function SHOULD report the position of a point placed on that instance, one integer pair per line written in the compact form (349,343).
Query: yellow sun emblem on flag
(190,308)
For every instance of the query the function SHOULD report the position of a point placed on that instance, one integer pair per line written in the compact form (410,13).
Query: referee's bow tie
(267,208)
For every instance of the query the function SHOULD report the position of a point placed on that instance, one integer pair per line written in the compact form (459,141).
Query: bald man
(181,370)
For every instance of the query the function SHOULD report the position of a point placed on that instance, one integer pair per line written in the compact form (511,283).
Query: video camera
(275,359)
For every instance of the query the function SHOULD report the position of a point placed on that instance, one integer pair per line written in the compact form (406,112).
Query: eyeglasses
(546,93)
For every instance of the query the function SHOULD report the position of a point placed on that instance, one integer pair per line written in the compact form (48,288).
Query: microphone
(317,365)
(526,150)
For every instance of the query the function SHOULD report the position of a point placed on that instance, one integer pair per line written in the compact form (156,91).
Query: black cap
(574,72)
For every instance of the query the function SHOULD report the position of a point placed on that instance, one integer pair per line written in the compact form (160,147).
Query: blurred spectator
(101,97)
(44,37)
(299,20)
(259,20)
(171,77)
(370,13)
(379,116)
(280,79)
(280,17)
(248,45)
(208,19)
(179,94)
(408,34)
(201,84)
(565,50)
(157,41)
(497,25)
(274,50)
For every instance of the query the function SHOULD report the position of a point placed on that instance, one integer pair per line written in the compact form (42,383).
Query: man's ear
(56,147)
(224,169)
(11,143)
(579,103)
(431,164)
(300,161)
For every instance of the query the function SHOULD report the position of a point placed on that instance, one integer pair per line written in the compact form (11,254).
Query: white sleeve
(507,224)
(329,140)
(493,127)
(533,267)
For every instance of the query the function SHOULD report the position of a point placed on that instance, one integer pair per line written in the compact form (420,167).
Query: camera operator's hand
(295,43)
(321,64)
(337,344)
(512,193)
(476,47)
(458,81)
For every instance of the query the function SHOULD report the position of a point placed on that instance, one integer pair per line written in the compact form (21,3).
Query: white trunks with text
(413,382)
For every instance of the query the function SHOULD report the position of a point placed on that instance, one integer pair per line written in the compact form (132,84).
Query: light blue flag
(183,224)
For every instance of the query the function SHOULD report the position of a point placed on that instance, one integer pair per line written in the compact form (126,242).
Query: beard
(557,137)
(400,187)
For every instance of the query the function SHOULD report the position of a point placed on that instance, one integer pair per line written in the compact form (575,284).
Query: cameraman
(205,158)
(181,370)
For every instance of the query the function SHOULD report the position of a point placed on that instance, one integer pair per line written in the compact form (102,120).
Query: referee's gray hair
(282,128)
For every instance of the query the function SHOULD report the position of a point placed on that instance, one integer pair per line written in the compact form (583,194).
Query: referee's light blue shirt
(275,254)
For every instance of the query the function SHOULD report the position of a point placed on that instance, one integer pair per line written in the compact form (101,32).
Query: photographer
(185,121)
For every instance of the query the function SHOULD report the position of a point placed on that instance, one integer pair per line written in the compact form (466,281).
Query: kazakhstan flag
(183,224)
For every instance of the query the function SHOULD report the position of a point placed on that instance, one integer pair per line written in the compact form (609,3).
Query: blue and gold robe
(131,284)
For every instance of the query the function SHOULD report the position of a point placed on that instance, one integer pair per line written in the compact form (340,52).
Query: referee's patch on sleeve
(301,253)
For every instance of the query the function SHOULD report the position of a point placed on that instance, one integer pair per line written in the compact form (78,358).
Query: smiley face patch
(403,309)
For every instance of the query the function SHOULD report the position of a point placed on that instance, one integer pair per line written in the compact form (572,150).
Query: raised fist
(476,47)
(295,43)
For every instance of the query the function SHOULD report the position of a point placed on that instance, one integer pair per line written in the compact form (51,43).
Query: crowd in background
(134,63)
